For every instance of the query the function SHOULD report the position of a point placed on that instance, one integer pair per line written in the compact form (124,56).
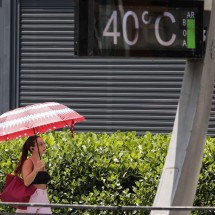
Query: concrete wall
(4,55)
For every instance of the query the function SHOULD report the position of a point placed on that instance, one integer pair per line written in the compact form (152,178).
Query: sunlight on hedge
(106,169)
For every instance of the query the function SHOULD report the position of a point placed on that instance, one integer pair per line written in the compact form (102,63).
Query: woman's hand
(40,165)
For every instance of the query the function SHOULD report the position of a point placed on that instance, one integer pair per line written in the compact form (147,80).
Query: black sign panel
(143,28)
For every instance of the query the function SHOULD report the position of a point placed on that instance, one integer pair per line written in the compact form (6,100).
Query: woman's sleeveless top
(42,177)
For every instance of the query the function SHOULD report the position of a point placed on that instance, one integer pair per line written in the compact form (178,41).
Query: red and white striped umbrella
(36,119)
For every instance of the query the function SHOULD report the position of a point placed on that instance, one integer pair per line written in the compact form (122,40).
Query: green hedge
(106,169)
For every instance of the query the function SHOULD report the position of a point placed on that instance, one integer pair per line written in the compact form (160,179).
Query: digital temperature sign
(143,28)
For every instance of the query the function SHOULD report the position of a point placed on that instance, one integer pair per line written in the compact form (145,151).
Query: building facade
(39,64)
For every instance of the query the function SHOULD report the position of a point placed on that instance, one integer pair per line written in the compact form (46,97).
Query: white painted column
(207,4)
(180,175)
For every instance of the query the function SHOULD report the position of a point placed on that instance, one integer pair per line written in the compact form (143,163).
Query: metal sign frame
(90,45)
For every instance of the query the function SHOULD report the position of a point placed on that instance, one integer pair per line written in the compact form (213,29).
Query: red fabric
(36,119)
(16,191)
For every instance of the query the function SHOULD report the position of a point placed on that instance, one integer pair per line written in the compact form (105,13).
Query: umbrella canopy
(36,119)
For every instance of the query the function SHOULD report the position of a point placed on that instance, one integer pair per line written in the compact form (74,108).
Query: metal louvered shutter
(47,33)
(124,94)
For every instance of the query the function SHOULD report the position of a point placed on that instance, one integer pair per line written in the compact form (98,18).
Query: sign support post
(180,175)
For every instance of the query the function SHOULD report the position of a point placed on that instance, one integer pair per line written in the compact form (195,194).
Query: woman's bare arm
(29,172)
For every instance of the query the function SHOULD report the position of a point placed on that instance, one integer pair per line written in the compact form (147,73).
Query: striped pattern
(126,94)
(35,119)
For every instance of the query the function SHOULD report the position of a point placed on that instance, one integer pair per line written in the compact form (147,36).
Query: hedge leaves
(106,169)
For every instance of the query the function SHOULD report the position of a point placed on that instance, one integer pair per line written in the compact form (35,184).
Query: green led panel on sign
(191,39)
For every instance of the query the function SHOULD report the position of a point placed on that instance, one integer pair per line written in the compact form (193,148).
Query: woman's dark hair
(26,147)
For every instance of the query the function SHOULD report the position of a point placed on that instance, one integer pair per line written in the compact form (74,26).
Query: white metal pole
(181,170)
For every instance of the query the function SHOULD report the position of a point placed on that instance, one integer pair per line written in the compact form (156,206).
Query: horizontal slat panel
(47,3)
(121,95)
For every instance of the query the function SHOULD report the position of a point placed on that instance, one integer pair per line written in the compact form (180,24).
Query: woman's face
(41,145)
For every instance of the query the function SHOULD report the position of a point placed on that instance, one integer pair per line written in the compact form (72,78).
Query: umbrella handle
(37,145)
(38,149)
(72,128)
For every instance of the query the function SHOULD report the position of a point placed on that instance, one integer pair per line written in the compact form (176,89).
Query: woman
(33,172)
